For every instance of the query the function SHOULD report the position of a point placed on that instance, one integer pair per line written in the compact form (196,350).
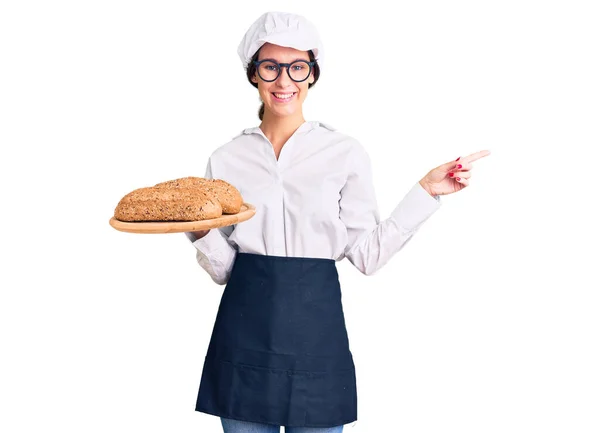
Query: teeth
(284,95)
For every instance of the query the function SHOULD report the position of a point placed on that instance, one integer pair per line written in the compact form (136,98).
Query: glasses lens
(268,71)
(299,71)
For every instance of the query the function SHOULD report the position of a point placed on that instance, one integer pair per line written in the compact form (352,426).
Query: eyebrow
(273,60)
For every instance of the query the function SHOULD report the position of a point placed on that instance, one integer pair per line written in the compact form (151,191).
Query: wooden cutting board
(247,211)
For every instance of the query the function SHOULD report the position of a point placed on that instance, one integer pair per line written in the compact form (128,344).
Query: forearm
(374,248)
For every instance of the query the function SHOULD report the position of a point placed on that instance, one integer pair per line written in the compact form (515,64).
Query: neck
(279,129)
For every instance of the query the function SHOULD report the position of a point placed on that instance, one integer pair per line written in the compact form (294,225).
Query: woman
(279,352)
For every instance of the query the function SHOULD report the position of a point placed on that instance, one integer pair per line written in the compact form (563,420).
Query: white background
(488,320)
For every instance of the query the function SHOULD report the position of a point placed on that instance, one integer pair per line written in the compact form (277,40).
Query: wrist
(199,234)
(426,187)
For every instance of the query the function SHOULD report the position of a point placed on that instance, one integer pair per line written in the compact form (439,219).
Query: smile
(283,96)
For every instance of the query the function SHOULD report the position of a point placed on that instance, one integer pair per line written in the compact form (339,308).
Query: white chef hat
(284,29)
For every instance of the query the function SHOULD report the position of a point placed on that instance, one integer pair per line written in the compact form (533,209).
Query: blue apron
(279,351)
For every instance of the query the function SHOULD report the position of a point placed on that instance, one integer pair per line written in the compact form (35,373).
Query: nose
(284,77)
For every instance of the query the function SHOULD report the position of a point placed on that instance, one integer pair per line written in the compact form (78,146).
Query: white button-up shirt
(316,200)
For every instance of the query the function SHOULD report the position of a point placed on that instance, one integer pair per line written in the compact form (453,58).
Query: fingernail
(458,158)
(459,166)
(450,174)
(458,178)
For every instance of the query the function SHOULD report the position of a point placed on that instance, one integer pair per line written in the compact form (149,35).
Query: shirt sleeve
(213,251)
(371,242)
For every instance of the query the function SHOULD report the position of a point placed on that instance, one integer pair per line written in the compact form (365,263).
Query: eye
(298,66)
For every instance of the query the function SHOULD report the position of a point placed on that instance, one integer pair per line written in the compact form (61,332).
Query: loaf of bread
(184,199)
(229,197)
(167,204)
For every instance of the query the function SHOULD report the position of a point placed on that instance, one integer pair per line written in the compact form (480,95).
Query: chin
(284,112)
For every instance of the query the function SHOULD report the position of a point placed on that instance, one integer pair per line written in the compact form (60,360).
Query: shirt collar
(305,127)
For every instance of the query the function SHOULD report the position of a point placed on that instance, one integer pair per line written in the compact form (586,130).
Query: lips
(284,96)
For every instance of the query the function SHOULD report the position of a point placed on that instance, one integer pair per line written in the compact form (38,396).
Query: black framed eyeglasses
(298,70)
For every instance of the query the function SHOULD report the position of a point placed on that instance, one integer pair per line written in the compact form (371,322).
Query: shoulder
(234,146)
(335,137)
(346,149)
(346,143)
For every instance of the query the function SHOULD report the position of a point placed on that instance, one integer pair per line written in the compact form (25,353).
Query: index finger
(475,156)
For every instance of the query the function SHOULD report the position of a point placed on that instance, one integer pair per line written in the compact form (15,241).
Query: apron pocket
(333,394)
(263,394)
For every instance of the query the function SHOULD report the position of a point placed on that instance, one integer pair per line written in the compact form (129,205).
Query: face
(275,94)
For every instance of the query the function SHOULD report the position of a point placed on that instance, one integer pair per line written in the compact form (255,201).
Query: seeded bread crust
(167,204)
(228,195)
